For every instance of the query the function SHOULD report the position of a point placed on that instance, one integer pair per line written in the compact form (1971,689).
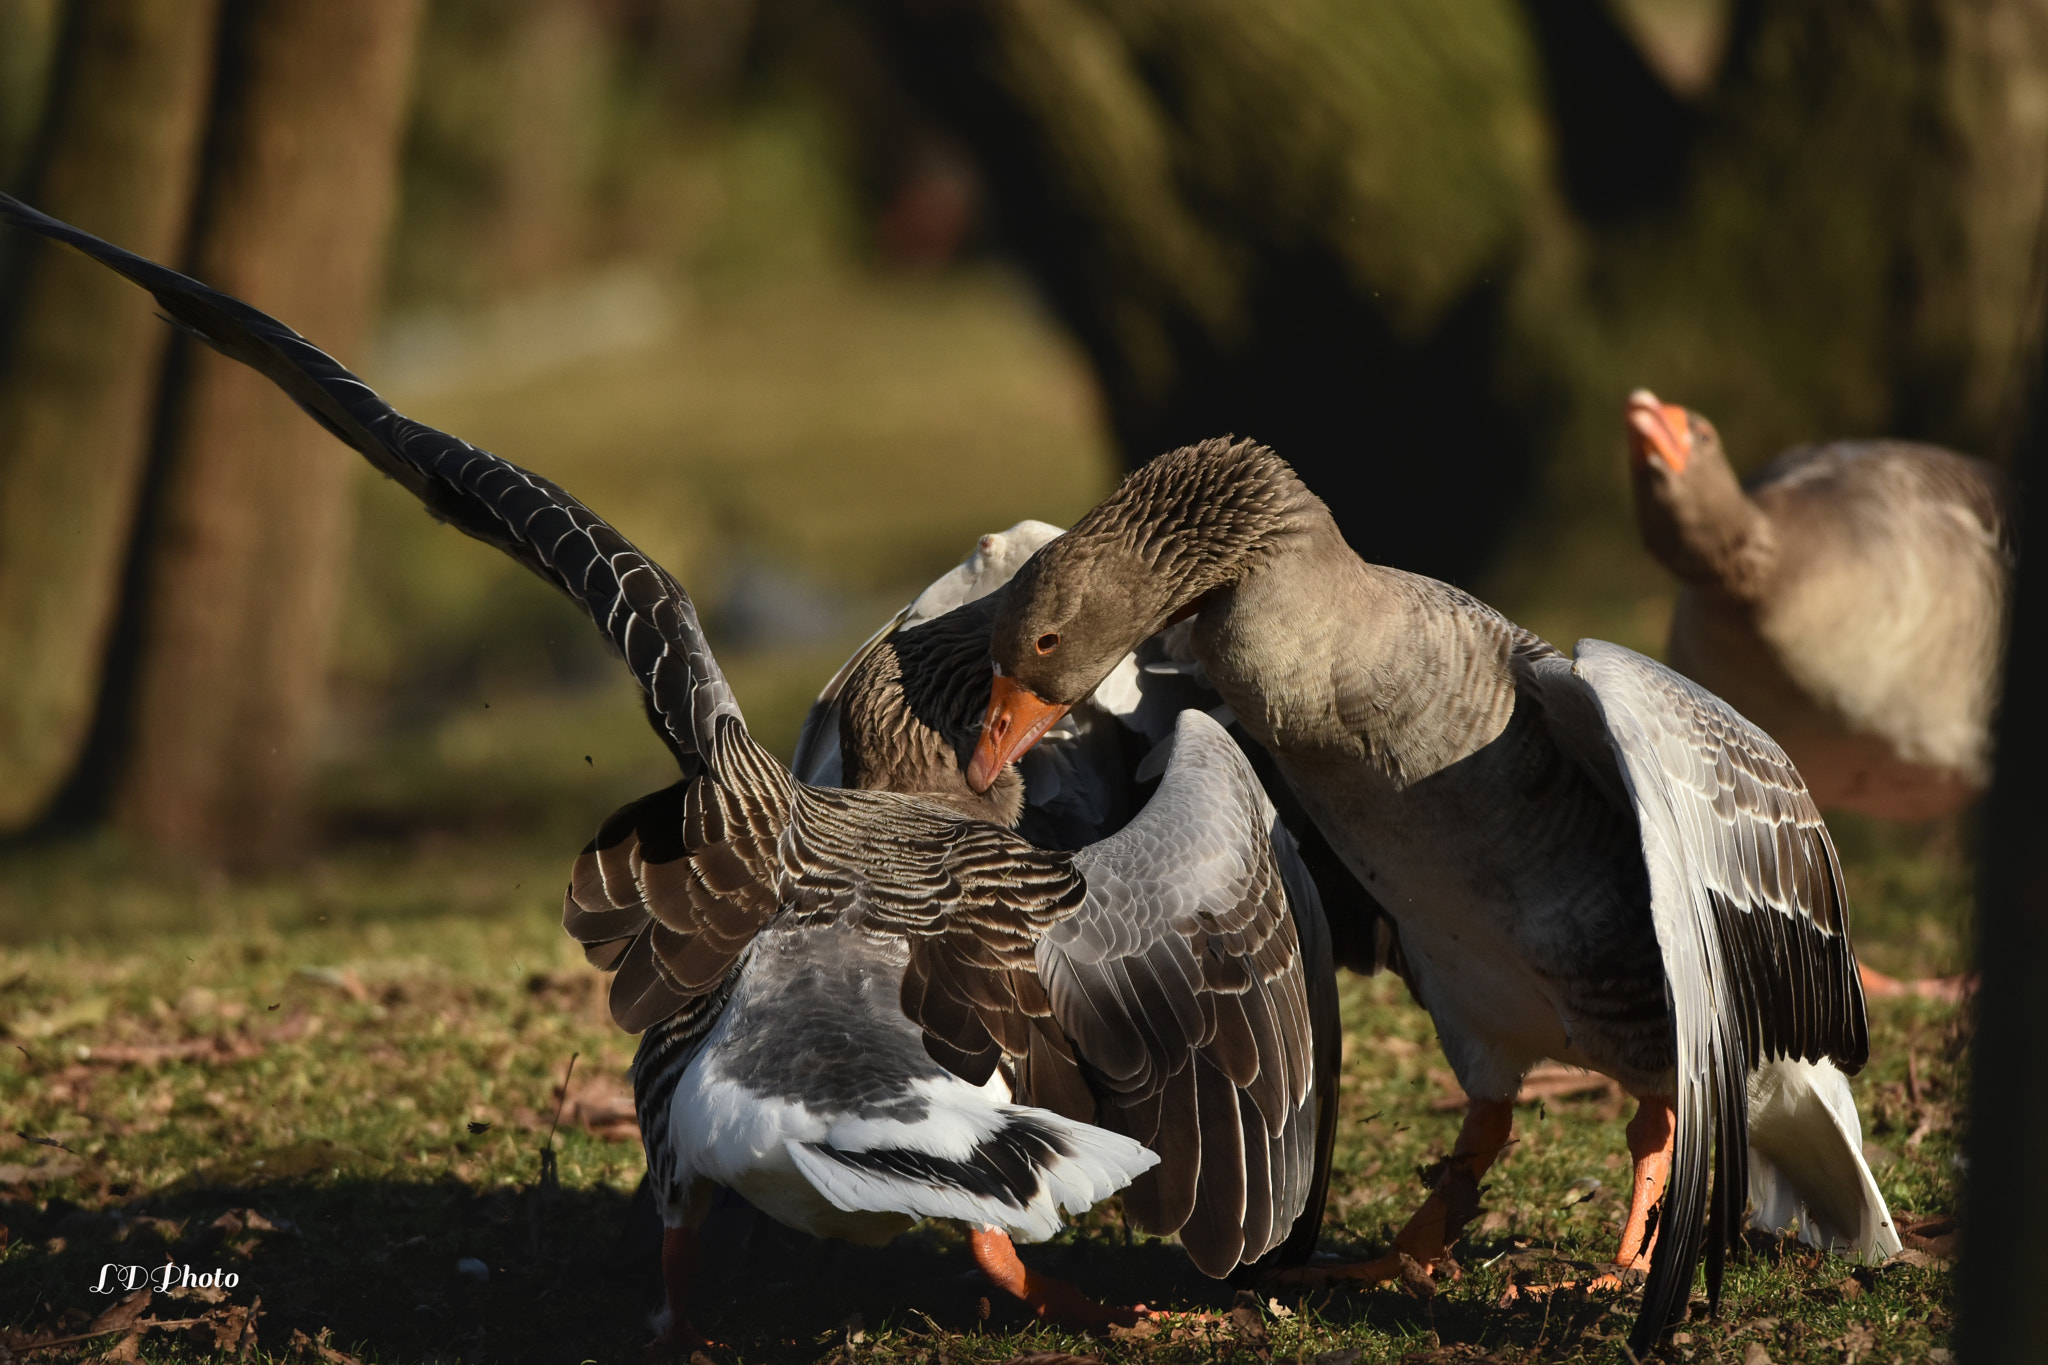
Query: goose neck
(1709,532)
(1320,652)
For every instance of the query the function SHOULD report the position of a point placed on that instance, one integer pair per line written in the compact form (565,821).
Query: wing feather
(1214,1233)
(1179,981)
(1752,923)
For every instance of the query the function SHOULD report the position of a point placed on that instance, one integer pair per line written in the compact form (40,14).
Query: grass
(326,1055)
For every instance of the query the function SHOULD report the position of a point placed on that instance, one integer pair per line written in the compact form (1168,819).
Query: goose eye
(1048,642)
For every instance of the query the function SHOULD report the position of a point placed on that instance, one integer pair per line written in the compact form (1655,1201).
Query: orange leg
(1052,1300)
(1650,1135)
(678,1268)
(1442,1216)
(1948,989)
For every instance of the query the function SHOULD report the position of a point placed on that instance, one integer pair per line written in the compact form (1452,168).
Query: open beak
(1016,719)
(1660,429)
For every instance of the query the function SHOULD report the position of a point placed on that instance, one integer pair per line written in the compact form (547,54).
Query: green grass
(349,1035)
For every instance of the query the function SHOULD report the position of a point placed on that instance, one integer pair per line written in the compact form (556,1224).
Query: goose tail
(970,1157)
(1806,1161)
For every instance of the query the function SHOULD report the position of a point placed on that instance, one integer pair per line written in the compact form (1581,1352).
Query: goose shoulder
(1880,481)
(1885,512)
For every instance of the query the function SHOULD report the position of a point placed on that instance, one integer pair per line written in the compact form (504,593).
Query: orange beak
(1016,720)
(1660,429)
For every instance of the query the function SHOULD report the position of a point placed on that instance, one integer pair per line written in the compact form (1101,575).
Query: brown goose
(1590,860)
(864,1007)
(995,558)
(904,713)
(1850,599)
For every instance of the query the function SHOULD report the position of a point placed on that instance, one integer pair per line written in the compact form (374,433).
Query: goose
(1850,599)
(906,708)
(919,676)
(1590,859)
(1078,783)
(995,557)
(861,1008)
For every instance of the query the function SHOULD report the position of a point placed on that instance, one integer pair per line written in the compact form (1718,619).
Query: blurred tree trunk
(245,553)
(118,156)
(1296,224)
(28,48)
(1854,248)
(2003,1314)
(1415,246)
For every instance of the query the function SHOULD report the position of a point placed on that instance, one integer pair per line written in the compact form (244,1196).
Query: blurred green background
(761,287)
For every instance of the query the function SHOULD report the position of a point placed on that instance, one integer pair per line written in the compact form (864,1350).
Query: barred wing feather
(1751,919)
(1180,981)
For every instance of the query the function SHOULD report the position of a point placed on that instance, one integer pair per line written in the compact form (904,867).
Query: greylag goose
(861,1008)
(1591,860)
(995,557)
(1850,599)
(907,706)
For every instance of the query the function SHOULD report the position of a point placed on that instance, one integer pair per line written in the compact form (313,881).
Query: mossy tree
(1422,249)
(168,666)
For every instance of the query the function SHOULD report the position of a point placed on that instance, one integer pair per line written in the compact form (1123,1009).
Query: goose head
(1690,507)
(1175,531)
(912,717)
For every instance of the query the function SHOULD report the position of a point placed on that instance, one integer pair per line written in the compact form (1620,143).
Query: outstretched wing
(1182,983)
(1752,924)
(645,613)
